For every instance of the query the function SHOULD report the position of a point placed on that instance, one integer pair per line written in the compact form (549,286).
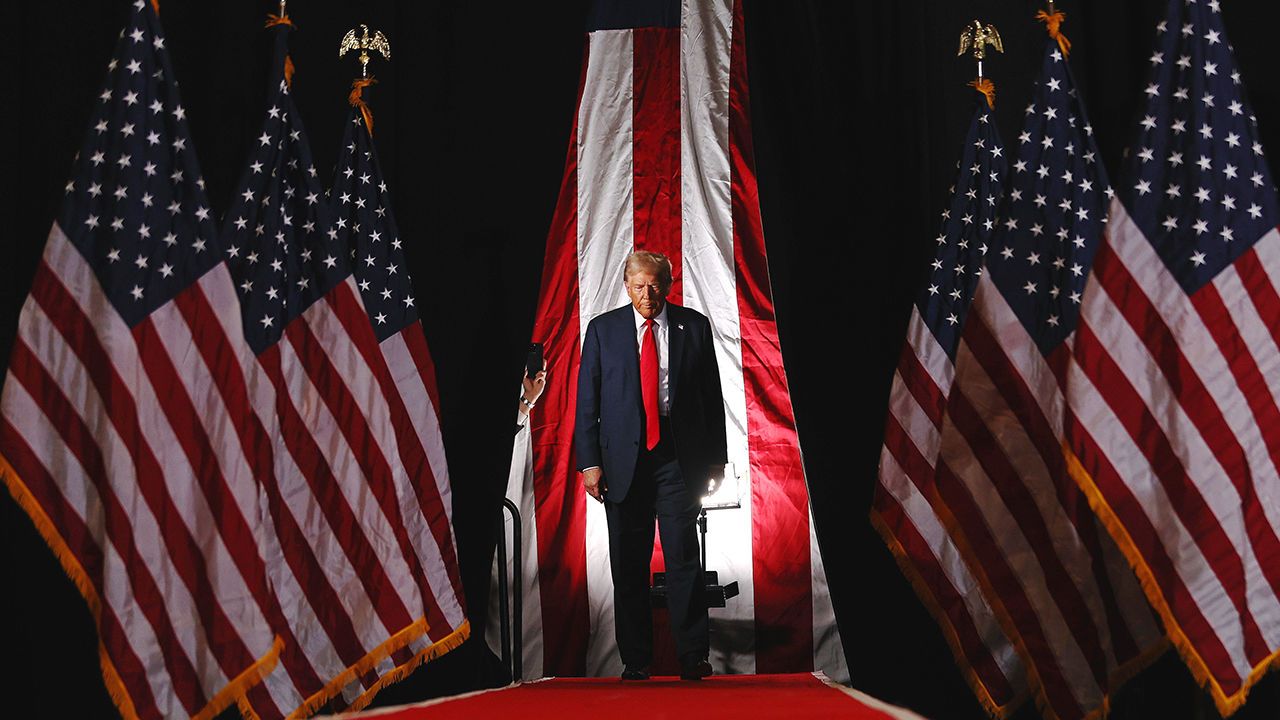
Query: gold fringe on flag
(433,651)
(232,692)
(926,597)
(1225,703)
(335,685)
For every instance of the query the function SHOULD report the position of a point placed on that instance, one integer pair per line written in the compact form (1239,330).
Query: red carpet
(726,696)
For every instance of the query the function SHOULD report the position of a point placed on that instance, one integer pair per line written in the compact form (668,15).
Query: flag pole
(975,38)
(364,43)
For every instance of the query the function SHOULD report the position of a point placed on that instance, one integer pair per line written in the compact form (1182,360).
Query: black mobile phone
(533,362)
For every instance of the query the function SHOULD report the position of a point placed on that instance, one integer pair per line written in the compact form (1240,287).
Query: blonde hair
(655,262)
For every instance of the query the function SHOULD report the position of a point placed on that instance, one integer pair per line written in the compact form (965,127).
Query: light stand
(725,496)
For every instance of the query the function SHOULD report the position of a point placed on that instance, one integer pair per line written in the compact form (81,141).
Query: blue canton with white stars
(362,208)
(1055,210)
(1197,183)
(967,228)
(136,207)
(279,238)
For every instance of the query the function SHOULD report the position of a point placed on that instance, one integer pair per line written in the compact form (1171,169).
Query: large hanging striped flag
(365,223)
(113,426)
(1174,387)
(1062,590)
(660,159)
(337,520)
(914,500)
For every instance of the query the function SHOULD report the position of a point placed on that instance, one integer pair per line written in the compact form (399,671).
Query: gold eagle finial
(364,43)
(976,37)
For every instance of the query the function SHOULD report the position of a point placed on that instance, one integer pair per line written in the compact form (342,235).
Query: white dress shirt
(661,338)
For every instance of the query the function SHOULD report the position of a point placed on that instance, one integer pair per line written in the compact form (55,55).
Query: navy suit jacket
(610,414)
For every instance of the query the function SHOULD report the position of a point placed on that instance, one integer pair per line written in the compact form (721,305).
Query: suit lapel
(675,340)
(627,327)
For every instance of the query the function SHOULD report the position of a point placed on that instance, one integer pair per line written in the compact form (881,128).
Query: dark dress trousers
(667,482)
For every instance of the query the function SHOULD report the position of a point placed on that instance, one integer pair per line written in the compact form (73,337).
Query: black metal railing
(511,603)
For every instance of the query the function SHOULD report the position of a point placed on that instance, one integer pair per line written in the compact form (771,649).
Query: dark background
(858,110)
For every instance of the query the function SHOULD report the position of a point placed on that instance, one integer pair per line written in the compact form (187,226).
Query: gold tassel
(356,98)
(1053,23)
(987,88)
(272,21)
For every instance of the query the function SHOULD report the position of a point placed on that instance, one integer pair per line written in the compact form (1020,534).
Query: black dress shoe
(635,674)
(696,670)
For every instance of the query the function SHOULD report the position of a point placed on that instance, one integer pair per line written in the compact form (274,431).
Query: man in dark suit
(650,440)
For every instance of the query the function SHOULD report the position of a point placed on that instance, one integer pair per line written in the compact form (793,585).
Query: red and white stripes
(346,552)
(115,437)
(409,387)
(1174,400)
(661,160)
(1078,614)
(915,511)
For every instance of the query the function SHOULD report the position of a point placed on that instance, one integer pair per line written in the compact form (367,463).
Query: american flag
(1174,384)
(660,158)
(1063,590)
(337,522)
(362,212)
(118,426)
(913,506)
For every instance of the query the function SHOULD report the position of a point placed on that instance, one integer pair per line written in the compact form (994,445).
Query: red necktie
(649,383)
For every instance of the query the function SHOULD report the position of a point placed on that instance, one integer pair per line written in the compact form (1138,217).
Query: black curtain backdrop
(858,109)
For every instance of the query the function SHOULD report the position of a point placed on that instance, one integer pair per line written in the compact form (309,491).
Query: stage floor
(808,695)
